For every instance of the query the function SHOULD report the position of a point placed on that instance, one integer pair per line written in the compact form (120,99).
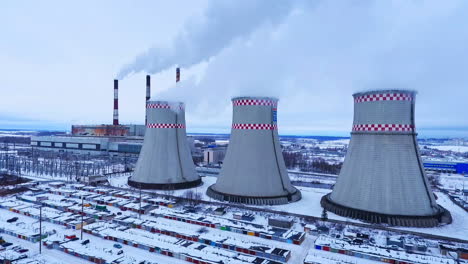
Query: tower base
(164,186)
(442,217)
(254,200)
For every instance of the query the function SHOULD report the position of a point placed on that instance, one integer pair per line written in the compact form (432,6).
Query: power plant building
(214,155)
(253,170)
(87,145)
(108,130)
(165,161)
(383,179)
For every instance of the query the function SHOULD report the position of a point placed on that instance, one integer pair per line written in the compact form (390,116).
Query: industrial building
(103,138)
(383,179)
(87,145)
(96,139)
(444,166)
(214,155)
(165,161)
(108,130)
(253,170)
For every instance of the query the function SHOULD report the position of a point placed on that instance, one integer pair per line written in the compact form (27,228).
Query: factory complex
(244,206)
(383,179)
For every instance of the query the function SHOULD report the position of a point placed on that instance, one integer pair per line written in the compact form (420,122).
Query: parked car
(116,245)
(85,242)
(23,250)
(7,244)
(120,252)
(11,220)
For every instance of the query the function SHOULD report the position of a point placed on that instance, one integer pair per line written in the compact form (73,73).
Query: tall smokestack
(148,95)
(177,78)
(116,103)
(148,87)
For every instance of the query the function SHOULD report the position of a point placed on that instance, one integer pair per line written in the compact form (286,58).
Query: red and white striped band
(159,125)
(165,106)
(254,102)
(255,126)
(384,127)
(383,97)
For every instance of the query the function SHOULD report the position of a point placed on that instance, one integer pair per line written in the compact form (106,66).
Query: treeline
(15,140)
(63,165)
(297,160)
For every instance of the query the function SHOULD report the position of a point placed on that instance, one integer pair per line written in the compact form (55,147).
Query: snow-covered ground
(325,257)
(453,181)
(97,246)
(460,149)
(339,143)
(48,256)
(457,229)
(310,205)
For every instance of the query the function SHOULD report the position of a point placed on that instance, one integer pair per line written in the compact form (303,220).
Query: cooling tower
(165,161)
(382,179)
(253,170)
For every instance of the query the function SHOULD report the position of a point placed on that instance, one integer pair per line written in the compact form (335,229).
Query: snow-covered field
(453,181)
(310,205)
(461,149)
(47,256)
(325,257)
(339,143)
(457,229)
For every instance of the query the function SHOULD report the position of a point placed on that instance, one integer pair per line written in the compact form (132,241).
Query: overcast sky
(59,59)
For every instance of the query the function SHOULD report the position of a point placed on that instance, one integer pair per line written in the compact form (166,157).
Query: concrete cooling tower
(165,161)
(382,179)
(253,170)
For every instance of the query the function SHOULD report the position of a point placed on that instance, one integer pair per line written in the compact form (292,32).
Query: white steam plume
(318,57)
(203,37)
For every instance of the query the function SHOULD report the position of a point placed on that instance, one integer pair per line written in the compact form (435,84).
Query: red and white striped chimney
(116,103)
(148,87)
(148,95)
(177,75)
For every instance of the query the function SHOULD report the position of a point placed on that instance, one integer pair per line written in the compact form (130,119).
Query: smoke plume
(318,57)
(204,37)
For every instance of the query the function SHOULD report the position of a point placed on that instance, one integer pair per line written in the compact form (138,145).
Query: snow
(47,256)
(381,252)
(330,144)
(324,257)
(460,149)
(310,205)
(457,229)
(453,181)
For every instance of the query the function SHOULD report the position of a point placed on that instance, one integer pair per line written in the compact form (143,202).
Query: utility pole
(82,213)
(463,190)
(139,211)
(40,229)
